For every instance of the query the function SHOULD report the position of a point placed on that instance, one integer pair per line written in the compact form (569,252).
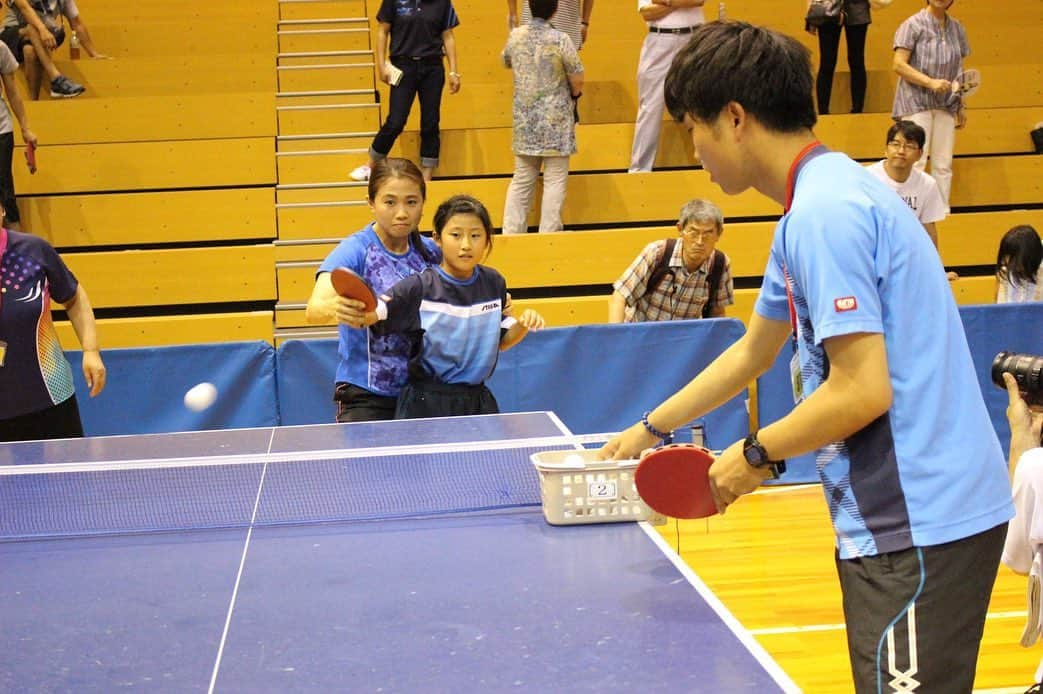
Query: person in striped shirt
(929,49)
(572,17)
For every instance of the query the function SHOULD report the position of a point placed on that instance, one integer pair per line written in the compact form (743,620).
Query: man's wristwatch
(757,457)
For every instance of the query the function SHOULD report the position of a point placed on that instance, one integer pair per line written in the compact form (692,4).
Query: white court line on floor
(239,573)
(741,632)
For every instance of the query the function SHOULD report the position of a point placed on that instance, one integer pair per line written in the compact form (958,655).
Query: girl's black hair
(463,204)
(1020,255)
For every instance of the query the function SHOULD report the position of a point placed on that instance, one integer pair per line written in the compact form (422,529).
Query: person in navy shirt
(414,39)
(911,468)
(372,368)
(37,397)
(455,317)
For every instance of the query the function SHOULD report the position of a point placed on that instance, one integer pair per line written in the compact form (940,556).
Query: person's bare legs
(43,59)
(33,71)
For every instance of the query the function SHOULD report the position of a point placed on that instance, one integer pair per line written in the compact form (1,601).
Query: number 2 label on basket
(604,491)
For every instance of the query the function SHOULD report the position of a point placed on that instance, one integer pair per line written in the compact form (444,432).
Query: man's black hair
(767,72)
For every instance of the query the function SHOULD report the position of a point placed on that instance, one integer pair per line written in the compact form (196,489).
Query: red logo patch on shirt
(845,303)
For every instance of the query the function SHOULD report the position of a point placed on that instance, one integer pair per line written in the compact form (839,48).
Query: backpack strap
(662,267)
(713,281)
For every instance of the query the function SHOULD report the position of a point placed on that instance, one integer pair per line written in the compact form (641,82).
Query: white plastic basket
(577,488)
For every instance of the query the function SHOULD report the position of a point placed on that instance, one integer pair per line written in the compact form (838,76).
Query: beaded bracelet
(666,438)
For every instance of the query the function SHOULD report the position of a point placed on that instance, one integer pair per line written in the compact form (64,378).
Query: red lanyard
(812,150)
(3,248)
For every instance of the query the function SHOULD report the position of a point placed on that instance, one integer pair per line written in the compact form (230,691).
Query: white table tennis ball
(200,397)
(574,459)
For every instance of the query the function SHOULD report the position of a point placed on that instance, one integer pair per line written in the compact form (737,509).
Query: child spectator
(1018,266)
(454,318)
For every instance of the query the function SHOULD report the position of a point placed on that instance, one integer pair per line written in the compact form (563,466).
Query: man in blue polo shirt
(911,468)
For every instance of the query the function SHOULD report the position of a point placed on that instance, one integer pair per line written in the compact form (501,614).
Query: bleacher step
(329,20)
(302,32)
(325,66)
(322,152)
(323,92)
(324,136)
(320,54)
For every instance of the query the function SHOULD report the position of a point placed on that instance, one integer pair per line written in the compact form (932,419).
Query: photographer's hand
(1025,423)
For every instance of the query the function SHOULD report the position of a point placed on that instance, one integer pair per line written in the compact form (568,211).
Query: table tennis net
(73,500)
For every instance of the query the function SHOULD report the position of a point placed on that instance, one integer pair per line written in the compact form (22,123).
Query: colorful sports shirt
(929,470)
(35,374)
(454,326)
(369,360)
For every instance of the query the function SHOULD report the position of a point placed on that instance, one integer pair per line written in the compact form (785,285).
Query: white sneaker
(361,173)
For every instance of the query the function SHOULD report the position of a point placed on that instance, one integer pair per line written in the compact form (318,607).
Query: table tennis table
(286,568)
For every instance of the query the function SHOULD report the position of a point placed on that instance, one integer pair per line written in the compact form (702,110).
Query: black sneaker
(64,88)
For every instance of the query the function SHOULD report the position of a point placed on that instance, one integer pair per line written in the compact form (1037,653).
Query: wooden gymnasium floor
(770,560)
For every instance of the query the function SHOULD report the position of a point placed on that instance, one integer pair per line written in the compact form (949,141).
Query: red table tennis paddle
(30,156)
(674,480)
(350,285)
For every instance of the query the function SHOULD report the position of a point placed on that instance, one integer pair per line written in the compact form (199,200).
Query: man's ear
(736,114)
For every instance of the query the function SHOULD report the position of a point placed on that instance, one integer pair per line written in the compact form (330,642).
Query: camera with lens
(1027,370)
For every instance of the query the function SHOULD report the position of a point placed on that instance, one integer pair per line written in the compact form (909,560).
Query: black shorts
(428,399)
(356,404)
(915,617)
(12,36)
(59,422)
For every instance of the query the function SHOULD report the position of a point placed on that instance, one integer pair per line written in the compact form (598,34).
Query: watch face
(754,453)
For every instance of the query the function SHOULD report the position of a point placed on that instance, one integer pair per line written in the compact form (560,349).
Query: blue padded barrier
(990,329)
(595,377)
(146,386)
(305,377)
(603,377)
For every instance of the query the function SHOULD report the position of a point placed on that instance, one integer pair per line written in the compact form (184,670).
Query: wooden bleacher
(157,184)
(220,157)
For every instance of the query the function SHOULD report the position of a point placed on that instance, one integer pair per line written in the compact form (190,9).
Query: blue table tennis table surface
(490,602)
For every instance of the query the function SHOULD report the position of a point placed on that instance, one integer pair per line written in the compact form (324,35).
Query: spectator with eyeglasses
(904,148)
(673,281)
